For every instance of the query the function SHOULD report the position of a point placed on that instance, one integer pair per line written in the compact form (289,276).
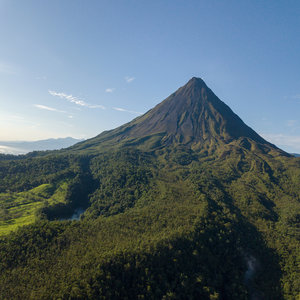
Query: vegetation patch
(21,208)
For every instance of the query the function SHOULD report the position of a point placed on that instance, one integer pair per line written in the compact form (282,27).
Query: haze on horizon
(72,68)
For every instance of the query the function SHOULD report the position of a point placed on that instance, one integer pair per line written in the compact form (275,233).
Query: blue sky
(76,68)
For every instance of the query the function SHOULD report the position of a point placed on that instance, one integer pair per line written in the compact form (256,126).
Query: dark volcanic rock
(193,115)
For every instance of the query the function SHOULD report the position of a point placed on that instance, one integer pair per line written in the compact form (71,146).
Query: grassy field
(18,209)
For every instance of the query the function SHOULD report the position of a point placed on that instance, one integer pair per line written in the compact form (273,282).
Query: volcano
(193,113)
(183,202)
(192,116)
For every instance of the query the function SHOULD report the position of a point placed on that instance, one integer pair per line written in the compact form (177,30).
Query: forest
(172,223)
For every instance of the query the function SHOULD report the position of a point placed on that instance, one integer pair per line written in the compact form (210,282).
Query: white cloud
(96,106)
(73,99)
(285,141)
(70,98)
(125,110)
(129,79)
(110,90)
(39,106)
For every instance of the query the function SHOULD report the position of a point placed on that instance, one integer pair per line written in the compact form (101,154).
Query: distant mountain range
(296,154)
(23,147)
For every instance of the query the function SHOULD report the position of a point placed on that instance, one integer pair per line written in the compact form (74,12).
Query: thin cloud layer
(44,107)
(125,110)
(110,90)
(74,100)
(129,79)
(69,98)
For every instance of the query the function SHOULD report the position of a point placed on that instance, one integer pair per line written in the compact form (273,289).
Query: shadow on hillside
(209,263)
(77,197)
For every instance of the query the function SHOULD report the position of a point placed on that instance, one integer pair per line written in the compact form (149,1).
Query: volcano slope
(184,202)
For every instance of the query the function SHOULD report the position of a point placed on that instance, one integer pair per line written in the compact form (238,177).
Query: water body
(252,266)
(11,150)
(76,215)
(23,147)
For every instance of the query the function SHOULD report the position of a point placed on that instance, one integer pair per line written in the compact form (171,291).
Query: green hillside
(184,202)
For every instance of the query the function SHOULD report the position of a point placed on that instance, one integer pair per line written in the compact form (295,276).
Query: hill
(184,202)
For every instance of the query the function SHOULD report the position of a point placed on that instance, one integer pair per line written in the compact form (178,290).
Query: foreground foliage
(170,223)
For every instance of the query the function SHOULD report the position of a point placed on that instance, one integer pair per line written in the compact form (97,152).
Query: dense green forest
(184,202)
(174,224)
